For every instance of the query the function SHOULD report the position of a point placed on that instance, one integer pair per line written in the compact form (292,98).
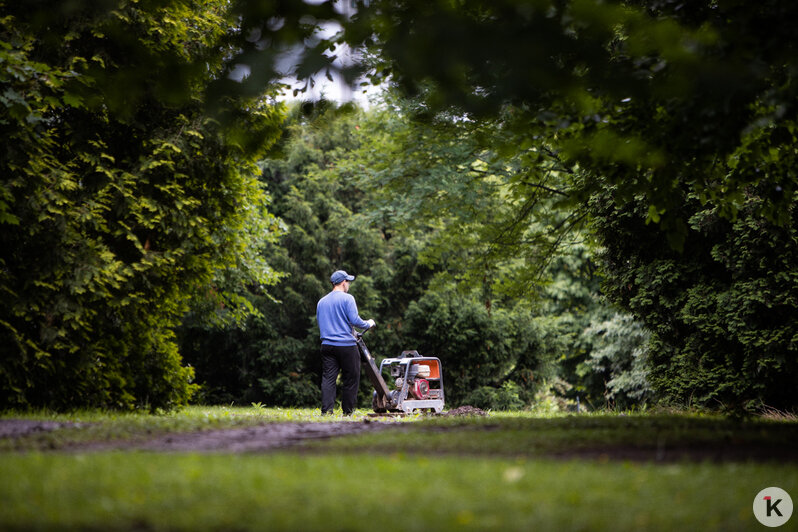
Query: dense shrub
(505,397)
(619,355)
(722,312)
(477,348)
(121,203)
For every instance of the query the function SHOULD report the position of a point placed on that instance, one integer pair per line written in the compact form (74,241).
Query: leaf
(73,100)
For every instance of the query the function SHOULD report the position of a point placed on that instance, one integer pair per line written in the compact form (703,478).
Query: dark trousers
(345,359)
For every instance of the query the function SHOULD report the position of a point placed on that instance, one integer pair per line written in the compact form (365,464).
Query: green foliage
(274,357)
(506,397)
(646,95)
(477,348)
(658,110)
(338,215)
(620,355)
(722,313)
(121,201)
(468,187)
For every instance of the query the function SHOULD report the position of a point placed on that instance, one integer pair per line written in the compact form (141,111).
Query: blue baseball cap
(340,276)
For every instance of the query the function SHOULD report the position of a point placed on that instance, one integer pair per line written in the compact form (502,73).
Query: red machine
(417,382)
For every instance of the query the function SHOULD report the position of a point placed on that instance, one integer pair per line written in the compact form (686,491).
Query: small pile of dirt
(466,411)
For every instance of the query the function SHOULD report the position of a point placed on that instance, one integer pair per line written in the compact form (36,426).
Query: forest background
(606,213)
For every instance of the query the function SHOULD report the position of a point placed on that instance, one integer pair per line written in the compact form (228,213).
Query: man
(336,314)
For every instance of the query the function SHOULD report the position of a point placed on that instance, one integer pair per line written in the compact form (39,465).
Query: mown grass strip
(519,434)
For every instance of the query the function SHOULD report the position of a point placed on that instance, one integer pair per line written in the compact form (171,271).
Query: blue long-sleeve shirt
(336,314)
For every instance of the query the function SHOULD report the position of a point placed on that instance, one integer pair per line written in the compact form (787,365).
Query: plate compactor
(417,382)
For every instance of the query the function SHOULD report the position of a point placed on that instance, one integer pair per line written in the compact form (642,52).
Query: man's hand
(371,323)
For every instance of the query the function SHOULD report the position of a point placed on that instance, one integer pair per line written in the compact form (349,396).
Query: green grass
(187,418)
(525,434)
(135,491)
(427,474)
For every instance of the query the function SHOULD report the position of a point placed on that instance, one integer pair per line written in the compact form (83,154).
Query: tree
(479,349)
(649,96)
(495,224)
(274,358)
(121,200)
(468,187)
(337,215)
(659,101)
(620,356)
(676,109)
(721,313)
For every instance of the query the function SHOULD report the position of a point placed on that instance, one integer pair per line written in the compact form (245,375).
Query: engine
(417,385)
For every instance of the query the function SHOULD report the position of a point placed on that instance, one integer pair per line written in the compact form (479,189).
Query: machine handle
(371,368)
(359,334)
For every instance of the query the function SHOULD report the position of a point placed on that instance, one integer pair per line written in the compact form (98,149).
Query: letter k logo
(772,506)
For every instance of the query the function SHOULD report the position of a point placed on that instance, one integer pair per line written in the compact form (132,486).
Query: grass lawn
(431,474)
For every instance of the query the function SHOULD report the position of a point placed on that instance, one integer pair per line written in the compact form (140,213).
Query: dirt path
(236,440)
(255,439)
(16,428)
(249,439)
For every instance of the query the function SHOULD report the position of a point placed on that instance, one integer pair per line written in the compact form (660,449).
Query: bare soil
(466,411)
(237,440)
(16,428)
(256,439)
